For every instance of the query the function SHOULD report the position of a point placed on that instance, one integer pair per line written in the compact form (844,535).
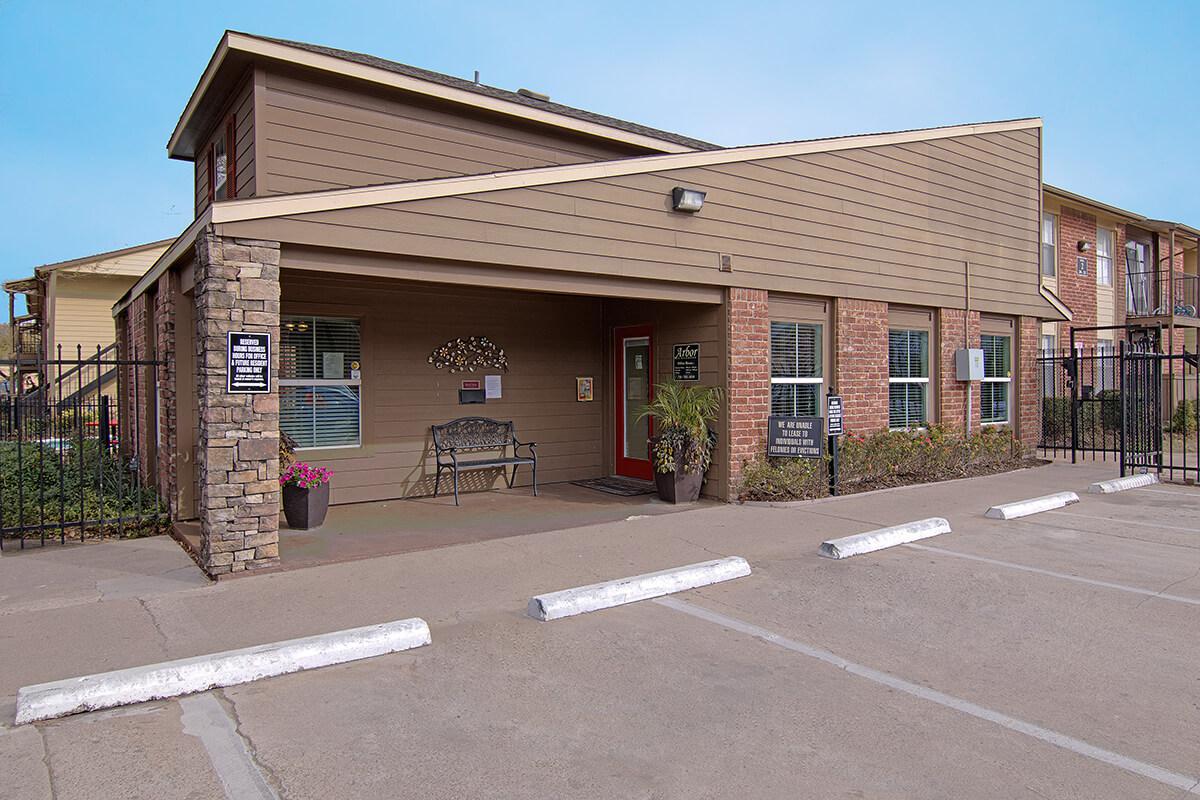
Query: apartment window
(222,166)
(1049,344)
(908,378)
(997,377)
(1106,365)
(319,389)
(1104,257)
(1049,245)
(796,375)
(1139,281)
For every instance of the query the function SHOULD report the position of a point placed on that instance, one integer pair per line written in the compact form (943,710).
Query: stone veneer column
(164,327)
(748,399)
(861,339)
(237,288)
(952,393)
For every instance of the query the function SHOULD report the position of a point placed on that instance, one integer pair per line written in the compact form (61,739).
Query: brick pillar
(748,398)
(139,385)
(952,393)
(164,323)
(237,288)
(1077,291)
(1029,413)
(861,338)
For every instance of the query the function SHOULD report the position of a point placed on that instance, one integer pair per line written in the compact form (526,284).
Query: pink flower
(305,476)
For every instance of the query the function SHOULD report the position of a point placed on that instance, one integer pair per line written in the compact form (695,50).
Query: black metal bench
(475,434)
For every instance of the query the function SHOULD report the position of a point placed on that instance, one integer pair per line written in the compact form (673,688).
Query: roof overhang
(284,205)
(1058,305)
(237,51)
(1063,194)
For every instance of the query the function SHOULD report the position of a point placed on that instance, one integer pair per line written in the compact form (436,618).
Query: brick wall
(749,395)
(952,394)
(1028,416)
(237,289)
(861,339)
(1077,291)
(137,424)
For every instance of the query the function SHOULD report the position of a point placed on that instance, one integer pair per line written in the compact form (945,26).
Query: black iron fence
(73,462)
(1124,403)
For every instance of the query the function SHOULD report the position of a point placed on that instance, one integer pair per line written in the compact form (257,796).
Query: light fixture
(1084,246)
(689,200)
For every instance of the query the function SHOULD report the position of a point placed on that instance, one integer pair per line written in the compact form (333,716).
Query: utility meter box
(969,364)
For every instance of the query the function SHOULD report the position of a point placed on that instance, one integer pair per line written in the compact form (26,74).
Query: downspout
(967,336)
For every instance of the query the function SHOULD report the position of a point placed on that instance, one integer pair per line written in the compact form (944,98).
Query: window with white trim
(1106,366)
(908,378)
(319,388)
(996,387)
(1049,245)
(1104,256)
(796,369)
(1049,344)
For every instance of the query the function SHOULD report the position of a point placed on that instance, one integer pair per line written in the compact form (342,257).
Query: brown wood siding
(549,341)
(322,134)
(672,324)
(893,223)
(242,106)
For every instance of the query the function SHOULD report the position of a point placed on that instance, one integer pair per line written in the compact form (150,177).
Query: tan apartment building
(68,305)
(370,217)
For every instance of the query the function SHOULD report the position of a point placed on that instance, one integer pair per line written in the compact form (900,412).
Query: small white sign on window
(333,366)
(491,387)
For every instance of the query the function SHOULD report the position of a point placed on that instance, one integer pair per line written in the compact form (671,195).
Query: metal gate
(74,457)
(1161,430)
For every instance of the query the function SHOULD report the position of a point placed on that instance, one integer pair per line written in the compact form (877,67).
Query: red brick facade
(1028,413)
(861,339)
(749,379)
(1077,291)
(952,393)
(164,328)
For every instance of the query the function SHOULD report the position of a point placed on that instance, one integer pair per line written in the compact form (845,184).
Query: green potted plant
(682,445)
(305,495)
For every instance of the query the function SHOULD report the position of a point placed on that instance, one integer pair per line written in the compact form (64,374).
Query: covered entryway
(633,352)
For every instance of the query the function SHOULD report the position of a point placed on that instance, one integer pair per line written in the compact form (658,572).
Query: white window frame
(1053,348)
(1008,398)
(318,382)
(1053,220)
(819,381)
(1109,235)
(924,380)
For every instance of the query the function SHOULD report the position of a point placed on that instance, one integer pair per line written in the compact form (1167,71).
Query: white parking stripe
(1183,492)
(1064,576)
(1158,525)
(1175,780)
(205,718)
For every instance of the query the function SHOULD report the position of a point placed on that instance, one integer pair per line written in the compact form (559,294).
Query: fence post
(103,422)
(1123,402)
(1075,378)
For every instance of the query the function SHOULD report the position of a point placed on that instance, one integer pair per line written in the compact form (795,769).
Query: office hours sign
(248,363)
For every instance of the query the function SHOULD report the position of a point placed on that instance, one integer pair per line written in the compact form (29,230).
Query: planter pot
(679,486)
(305,508)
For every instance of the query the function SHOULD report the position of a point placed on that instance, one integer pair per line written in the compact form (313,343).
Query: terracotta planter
(305,508)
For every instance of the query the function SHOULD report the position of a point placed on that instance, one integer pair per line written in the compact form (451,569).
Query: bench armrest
(531,445)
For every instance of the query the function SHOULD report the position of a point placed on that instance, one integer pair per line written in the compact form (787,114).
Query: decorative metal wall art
(467,354)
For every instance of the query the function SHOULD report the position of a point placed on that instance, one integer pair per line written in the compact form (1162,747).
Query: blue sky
(89,92)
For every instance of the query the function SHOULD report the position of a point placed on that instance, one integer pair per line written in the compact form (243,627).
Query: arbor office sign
(795,437)
(248,363)
(685,362)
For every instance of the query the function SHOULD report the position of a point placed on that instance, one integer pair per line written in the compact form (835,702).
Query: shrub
(35,478)
(681,416)
(884,459)
(1186,418)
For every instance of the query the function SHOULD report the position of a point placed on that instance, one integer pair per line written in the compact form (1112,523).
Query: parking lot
(1054,656)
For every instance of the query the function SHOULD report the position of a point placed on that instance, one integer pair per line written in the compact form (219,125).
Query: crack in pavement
(209,720)
(162,636)
(271,776)
(46,762)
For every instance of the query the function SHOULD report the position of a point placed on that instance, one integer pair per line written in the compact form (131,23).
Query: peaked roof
(237,50)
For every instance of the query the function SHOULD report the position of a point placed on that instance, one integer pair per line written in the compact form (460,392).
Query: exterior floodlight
(1084,245)
(689,200)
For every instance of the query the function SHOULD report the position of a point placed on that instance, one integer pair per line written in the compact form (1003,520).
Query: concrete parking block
(1034,505)
(882,538)
(582,599)
(188,675)
(1123,484)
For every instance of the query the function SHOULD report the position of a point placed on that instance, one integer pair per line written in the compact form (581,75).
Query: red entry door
(634,370)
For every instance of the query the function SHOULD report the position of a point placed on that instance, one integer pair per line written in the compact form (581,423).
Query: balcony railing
(1148,294)
(27,336)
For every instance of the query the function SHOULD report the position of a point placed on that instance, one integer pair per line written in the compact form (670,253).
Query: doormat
(623,487)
